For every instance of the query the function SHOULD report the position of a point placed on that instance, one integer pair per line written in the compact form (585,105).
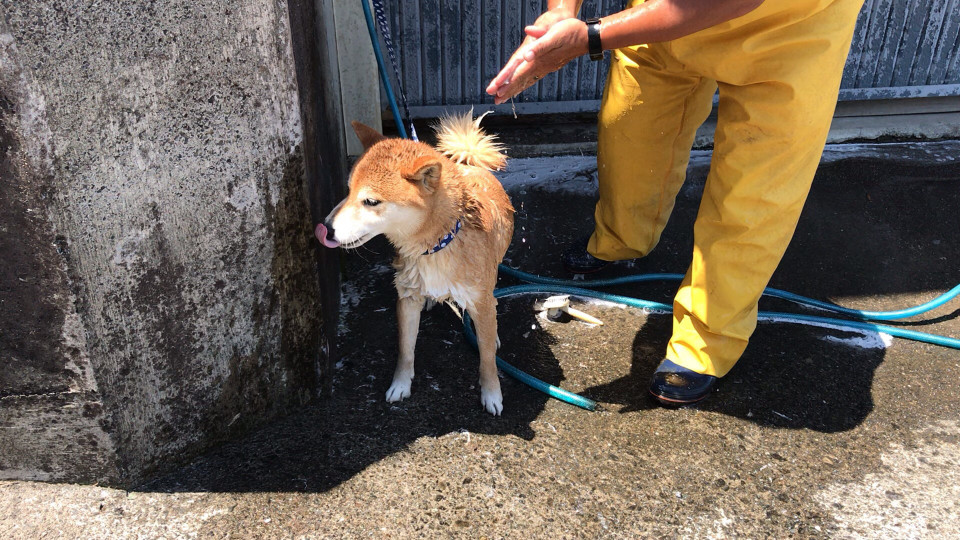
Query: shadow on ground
(872,236)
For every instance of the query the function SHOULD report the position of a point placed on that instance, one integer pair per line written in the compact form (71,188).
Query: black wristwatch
(593,39)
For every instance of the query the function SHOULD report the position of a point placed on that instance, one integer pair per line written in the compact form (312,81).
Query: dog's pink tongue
(321,234)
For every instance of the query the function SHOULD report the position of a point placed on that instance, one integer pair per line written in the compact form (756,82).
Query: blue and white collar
(445,241)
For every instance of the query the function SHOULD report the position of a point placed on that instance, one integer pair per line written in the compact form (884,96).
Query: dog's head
(391,189)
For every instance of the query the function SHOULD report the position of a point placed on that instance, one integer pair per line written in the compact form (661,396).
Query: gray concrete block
(158,284)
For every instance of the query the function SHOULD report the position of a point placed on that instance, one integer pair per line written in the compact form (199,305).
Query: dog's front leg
(408,318)
(485,319)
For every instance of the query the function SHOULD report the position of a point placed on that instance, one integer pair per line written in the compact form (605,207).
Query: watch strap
(594,46)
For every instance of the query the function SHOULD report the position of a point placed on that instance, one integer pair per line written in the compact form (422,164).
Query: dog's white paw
(398,390)
(492,401)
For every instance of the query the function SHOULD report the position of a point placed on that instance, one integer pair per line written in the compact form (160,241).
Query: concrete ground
(816,433)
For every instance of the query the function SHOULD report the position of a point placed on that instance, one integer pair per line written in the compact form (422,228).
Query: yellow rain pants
(778,70)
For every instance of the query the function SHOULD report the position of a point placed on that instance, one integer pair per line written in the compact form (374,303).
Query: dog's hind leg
(408,318)
(485,319)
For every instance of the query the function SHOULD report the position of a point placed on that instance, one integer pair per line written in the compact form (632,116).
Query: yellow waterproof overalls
(778,70)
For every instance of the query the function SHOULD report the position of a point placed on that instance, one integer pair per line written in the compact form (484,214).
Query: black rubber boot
(676,385)
(577,260)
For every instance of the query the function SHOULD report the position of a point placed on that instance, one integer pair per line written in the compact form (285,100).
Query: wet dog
(450,222)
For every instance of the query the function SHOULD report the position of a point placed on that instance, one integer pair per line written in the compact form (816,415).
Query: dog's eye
(370,202)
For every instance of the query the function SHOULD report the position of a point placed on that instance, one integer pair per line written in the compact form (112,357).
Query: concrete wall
(158,284)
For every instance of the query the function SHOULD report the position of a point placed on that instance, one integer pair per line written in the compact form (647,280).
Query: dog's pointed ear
(367,135)
(425,171)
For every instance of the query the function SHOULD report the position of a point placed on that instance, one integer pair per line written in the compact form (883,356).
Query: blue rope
(381,68)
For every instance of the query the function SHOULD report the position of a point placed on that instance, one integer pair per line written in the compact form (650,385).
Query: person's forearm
(663,20)
(570,6)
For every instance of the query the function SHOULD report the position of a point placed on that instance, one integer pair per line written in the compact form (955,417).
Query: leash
(381,68)
(535,284)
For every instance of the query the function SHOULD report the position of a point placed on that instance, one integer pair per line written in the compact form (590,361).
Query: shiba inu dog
(450,222)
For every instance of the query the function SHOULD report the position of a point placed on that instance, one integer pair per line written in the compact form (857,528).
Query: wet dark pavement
(817,432)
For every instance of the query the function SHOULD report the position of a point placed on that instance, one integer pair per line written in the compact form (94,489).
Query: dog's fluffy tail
(461,138)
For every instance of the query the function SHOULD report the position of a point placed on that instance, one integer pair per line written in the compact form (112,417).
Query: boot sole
(672,401)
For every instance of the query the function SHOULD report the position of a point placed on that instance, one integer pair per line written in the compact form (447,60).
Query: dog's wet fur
(414,194)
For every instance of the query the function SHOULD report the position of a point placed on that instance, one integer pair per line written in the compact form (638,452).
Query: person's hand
(546,20)
(552,41)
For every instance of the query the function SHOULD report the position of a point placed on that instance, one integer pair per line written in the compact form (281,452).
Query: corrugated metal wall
(450,50)
(905,43)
